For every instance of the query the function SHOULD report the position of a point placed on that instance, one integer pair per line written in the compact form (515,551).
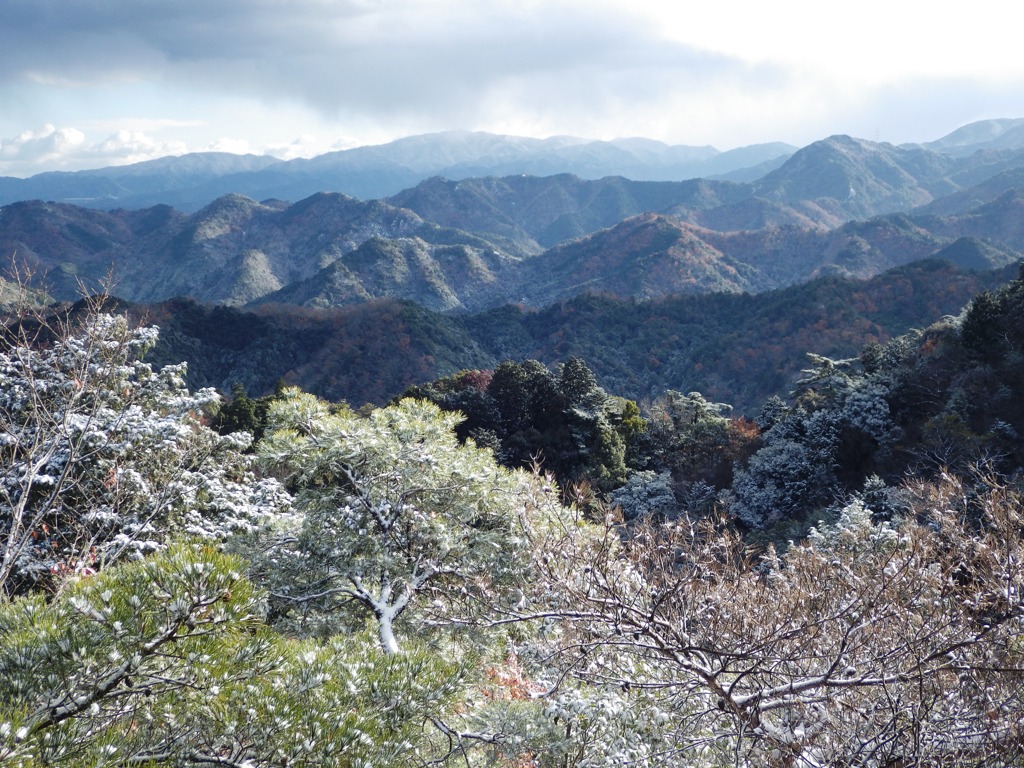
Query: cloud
(68,149)
(46,145)
(438,64)
(365,71)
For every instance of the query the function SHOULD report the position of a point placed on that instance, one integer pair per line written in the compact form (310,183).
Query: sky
(92,83)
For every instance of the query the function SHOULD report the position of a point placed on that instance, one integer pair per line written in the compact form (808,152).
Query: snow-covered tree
(393,512)
(870,644)
(820,450)
(101,457)
(647,494)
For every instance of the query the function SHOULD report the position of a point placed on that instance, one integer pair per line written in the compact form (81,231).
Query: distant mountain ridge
(735,348)
(984,134)
(840,206)
(332,250)
(190,182)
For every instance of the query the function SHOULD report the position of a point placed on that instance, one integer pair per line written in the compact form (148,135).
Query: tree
(167,661)
(823,448)
(869,644)
(692,435)
(983,328)
(647,494)
(101,457)
(465,392)
(393,512)
(792,475)
(243,413)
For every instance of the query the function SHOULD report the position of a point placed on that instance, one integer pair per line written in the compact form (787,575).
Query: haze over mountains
(466,222)
(191,181)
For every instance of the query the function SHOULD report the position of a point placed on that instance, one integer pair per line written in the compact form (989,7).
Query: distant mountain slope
(984,134)
(973,196)
(540,212)
(643,257)
(736,348)
(233,251)
(330,249)
(63,244)
(850,178)
(1000,220)
(439,277)
(825,184)
(140,185)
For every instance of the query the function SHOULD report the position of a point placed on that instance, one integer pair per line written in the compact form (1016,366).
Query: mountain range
(190,182)
(837,208)
(736,348)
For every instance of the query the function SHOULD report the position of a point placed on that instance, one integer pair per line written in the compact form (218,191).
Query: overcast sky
(88,83)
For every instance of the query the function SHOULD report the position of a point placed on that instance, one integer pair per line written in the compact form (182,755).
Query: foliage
(167,661)
(245,414)
(103,457)
(693,438)
(393,514)
(835,435)
(647,493)
(867,644)
(560,420)
(955,389)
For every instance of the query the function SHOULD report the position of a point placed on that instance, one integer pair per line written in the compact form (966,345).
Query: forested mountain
(736,348)
(484,245)
(545,211)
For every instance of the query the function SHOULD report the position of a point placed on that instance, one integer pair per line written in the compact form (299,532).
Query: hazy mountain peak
(981,132)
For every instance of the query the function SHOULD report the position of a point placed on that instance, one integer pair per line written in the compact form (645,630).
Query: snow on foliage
(871,643)
(103,457)
(393,511)
(167,661)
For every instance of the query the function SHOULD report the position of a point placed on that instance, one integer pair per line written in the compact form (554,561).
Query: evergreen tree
(167,662)
(395,516)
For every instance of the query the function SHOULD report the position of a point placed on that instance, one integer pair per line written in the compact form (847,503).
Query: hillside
(736,348)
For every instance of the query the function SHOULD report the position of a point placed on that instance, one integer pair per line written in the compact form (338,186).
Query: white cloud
(132,147)
(225,144)
(46,145)
(68,148)
(306,145)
